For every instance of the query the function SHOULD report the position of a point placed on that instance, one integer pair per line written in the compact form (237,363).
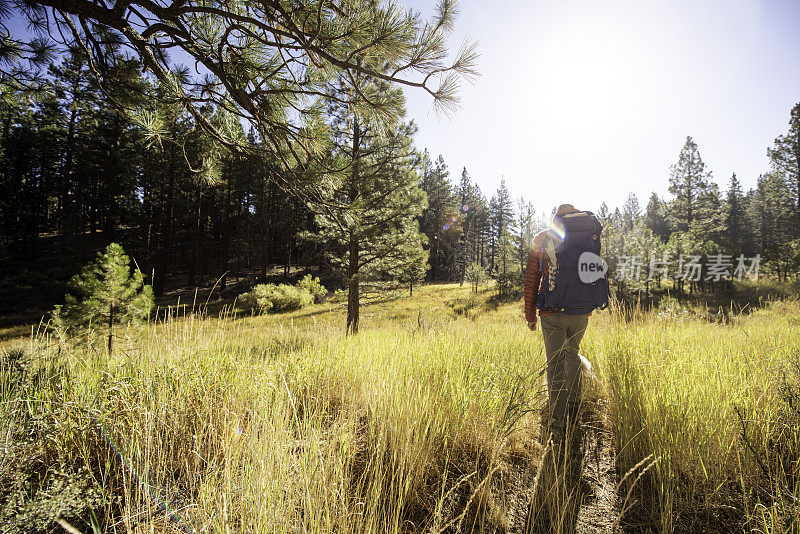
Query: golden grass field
(426,421)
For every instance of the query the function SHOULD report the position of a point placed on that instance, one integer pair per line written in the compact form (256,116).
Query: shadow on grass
(715,304)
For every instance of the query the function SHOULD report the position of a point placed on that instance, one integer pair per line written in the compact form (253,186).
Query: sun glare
(591,76)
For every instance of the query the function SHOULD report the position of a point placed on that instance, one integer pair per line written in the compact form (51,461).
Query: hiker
(554,288)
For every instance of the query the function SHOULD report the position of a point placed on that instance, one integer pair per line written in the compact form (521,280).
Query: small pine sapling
(476,276)
(103,294)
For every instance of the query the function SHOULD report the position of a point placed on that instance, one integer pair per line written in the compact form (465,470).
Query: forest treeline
(74,166)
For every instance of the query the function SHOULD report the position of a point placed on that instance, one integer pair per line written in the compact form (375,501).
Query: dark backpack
(563,290)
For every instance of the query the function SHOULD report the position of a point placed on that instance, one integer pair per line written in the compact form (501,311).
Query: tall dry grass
(424,422)
(265,425)
(715,406)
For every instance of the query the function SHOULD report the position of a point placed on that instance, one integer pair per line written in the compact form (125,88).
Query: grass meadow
(428,420)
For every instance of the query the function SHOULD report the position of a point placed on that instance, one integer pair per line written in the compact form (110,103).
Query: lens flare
(557,228)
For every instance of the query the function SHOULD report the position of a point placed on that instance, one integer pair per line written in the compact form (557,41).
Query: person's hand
(532,325)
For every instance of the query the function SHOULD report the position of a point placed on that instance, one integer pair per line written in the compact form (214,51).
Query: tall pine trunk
(797,178)
(434,258)
(264,253)
(68,172)
(112,207)
(266,225)
(110,328)
(464,251)
(352,271)
(196,247)
(165,246)
(226,238)
(353,288)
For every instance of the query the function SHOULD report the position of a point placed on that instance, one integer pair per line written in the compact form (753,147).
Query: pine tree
(689,183)
(680,247)
(473,224)
(735,216)
(655,217)
(295,50)
(475,275)
(439,221)
(466,250)
(613,242)
(616,218)
(770,207)
(480,226)
(603,215)
(501,210)
(647,247)
(710,219)
(464,187)
(105,294)
(630,212)
(527,227)
(371,228)
(71,77)
(785,158)
(507,269)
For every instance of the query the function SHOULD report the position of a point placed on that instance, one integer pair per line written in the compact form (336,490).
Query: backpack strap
(552,270)
(551,250)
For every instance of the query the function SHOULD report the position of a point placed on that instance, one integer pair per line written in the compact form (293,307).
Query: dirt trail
(600,508)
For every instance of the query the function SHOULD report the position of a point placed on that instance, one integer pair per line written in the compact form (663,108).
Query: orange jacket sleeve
(532,279)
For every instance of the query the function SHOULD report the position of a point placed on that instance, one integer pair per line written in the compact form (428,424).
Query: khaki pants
(562,336)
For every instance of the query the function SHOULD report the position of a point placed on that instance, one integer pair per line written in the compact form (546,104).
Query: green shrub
(288,298)
(465,306)
(276,298)
(249,301)
(313,286)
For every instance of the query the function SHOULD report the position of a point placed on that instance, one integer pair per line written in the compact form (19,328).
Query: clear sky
(585,101)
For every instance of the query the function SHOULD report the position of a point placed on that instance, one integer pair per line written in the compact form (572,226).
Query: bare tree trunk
(353,289)
(264,250)
(165,245)
(196,248)
(352,271)
(266,224)
(797,169)
(227,231)
(434,259)
(111,329)
(112,208)
(464,254)
(68,172)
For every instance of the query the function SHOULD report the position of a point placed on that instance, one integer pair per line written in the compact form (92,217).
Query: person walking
(564,282)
